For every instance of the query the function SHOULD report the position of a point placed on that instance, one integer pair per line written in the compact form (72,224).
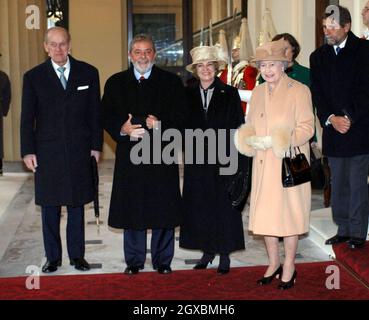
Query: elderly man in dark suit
(5,94)
(144,196)
(340,82)
(60,130)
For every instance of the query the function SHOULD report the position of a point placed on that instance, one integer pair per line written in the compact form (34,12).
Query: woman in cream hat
(210,222)
(280,116)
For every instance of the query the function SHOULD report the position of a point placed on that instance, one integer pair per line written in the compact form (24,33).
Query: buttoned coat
(341,82)
(5,94)
(210,222)
(145,195)
(275,210)
(61,127)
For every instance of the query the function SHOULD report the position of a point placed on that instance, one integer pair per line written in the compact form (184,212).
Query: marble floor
(21,238)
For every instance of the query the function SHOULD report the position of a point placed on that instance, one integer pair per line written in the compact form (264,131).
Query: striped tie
(62,77)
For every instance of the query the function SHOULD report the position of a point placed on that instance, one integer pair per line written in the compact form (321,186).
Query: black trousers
(350,203)
(75,232)
(162,247)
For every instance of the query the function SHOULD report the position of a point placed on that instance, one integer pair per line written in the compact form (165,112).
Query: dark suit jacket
(143,195)
(5,94)
(342,83)
(62,127)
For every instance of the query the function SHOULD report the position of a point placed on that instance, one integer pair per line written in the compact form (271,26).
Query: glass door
(163,19)
(178,25)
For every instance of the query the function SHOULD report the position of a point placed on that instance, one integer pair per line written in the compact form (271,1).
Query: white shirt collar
(342,44)
(366,33)
(138,75)
(66,66)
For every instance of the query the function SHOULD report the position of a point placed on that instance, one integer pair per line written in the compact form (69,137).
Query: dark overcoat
(341,82)
(5,94)
(210,223)
(61,127)
(144,195)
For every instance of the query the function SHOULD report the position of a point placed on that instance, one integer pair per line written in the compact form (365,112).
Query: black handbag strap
(294,150)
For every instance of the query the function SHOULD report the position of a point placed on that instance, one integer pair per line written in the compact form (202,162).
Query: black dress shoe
(336,239)
(267,280)
(204,261)
(221,271)
(289,284)
(131,270)
(80,264)
(355,243)
(51,266)
(224,263)
(164,269)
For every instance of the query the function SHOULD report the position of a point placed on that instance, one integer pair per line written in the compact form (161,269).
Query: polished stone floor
(21,238)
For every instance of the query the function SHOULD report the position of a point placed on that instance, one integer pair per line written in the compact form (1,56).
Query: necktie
(338,49)
(205,105)
(63,80)
(142,78)
(205,91)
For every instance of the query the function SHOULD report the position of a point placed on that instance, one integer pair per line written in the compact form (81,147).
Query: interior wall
(98,30)
(355,7)
(294,16)
(21,48)
(216,10)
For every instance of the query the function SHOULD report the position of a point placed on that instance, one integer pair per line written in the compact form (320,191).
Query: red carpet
(239,284)
(356,260)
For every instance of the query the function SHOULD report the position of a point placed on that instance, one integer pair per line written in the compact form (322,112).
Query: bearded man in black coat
(60,130)
(136,103)
(340,82)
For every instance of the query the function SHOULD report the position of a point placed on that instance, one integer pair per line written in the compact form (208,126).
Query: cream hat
(271,51)
(205,53)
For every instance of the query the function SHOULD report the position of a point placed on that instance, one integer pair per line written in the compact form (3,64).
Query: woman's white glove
(259,143)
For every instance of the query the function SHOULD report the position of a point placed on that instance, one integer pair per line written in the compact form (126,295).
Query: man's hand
(151,122)
(340,124)
(30,161)
(96,154)
(133,130)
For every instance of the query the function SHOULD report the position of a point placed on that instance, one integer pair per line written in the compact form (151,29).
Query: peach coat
(275,210)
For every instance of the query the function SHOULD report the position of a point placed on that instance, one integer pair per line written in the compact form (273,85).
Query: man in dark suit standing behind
(340,82)
(60,130)
(147,195)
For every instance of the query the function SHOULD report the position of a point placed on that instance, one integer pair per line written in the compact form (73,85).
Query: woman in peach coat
(280,116)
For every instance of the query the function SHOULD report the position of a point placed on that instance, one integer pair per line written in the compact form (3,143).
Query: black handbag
(296,169)
(240,185)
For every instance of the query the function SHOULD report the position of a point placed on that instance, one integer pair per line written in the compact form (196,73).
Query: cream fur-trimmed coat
(287,116)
